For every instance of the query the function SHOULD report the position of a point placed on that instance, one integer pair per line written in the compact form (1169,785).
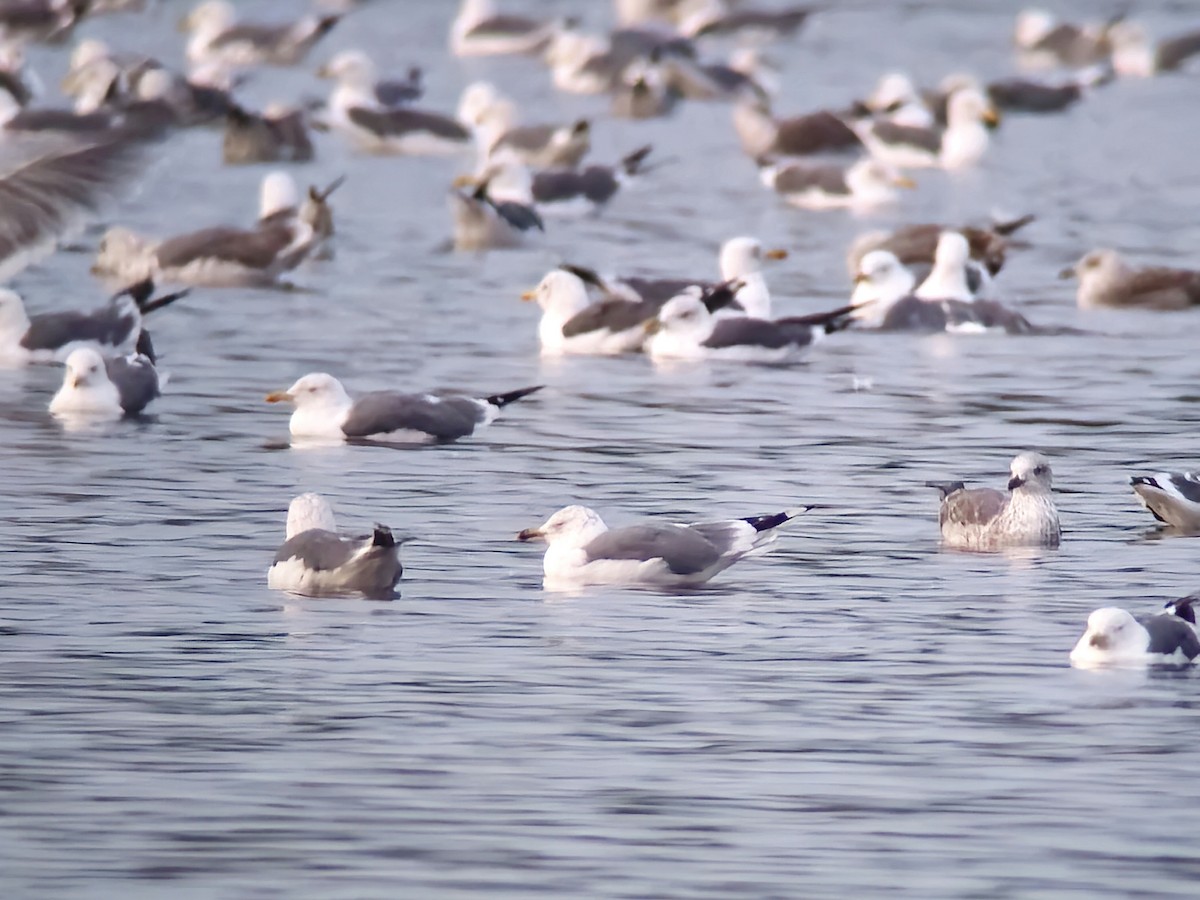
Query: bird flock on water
(62,164)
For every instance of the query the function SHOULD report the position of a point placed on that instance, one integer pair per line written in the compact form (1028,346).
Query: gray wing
(610,315)
(399,122)
(976,506)
(256,249)
(1023,95)
(914,314)
(59,120)
(596,183)
(317,549)
(395,93)
(50,183)
(1169,634)
(504,26)
(1164,288)
(684,550)
(136,381)
(1174,52)
(527,137)
(660,290)
(797,179)
(266,36)
(819,132)
(381,412)
(785,22)
(993,314)
(922,138)
(741,332)
(110,325)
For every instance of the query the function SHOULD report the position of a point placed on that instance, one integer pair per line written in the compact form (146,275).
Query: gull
(644,92)
(916,245)
(582,550)
(355,110)
(716,18)
(278,134)
(1135,55)
(316,561)
(686,329)
(40,20)
(761,134)
(1044,41)
(863,184)
(357,68)
(883,299)
(114,328)
(98,388)
(323,409)
(1105,279)
(217,36)
(572,324)
(1172,497)
(494,119)
(987,519)
(498,213)
(962,143)
(593,185)
(479,30)
(1114,637)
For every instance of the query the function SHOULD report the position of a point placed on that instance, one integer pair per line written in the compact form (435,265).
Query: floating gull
(113,329)
(686,329)
(716,18)
(217,36)
(897,98)
(1135,55)
(1172,497)
(1105,279)
(99,388)
(497,213)
(479,30)
(572,324)
(582,63)
(883,300)
(317,562)
(595,185)
(278,134)
(1027,95)
(1043,41)
(916,245)
(40,20)
(762,135)
(987,519)
(644,93)
(1114,637)
(865,183)
(221,256)
(15,76)
(541,146)
(354,109)
(962,143)
(325,410)
(583,550)
(356,68)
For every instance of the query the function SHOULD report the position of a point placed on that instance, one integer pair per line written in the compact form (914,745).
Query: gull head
(316,389)
(742,256)
(684,315)
(85,368)
(576,524)
(309,511)
(212,15)
(477,98)
(969,105)
(895,89)
(1112,635)
(881,280)
(1031,471)
(1031,26)
(559,292)
(277,194)
(1098,265)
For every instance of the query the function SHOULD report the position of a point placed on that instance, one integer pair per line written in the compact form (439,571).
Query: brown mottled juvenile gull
(1171,497)
(323,409)
(987,519)
(1115,637)
(316,561)
(95,387)
(1105,279)
(584,551)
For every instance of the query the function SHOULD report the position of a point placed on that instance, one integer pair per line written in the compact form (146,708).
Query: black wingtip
(584,274)
(326,23)
(722,295)
(766,523)
(148,306)
(382,537)
(632,163)
(832,321)
(1146,480)
(1011,226)
(945,488)
(502,400)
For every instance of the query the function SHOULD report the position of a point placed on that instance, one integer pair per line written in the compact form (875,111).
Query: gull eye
(1039,470)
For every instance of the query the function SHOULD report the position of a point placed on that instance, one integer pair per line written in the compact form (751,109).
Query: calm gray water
(857,713)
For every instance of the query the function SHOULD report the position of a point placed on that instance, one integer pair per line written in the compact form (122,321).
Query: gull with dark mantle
(324,410)
(114,328)
(987,519)
(1172,497)
(1116,638)
(583,550)
(317,561)
(96,388)
(218,37)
